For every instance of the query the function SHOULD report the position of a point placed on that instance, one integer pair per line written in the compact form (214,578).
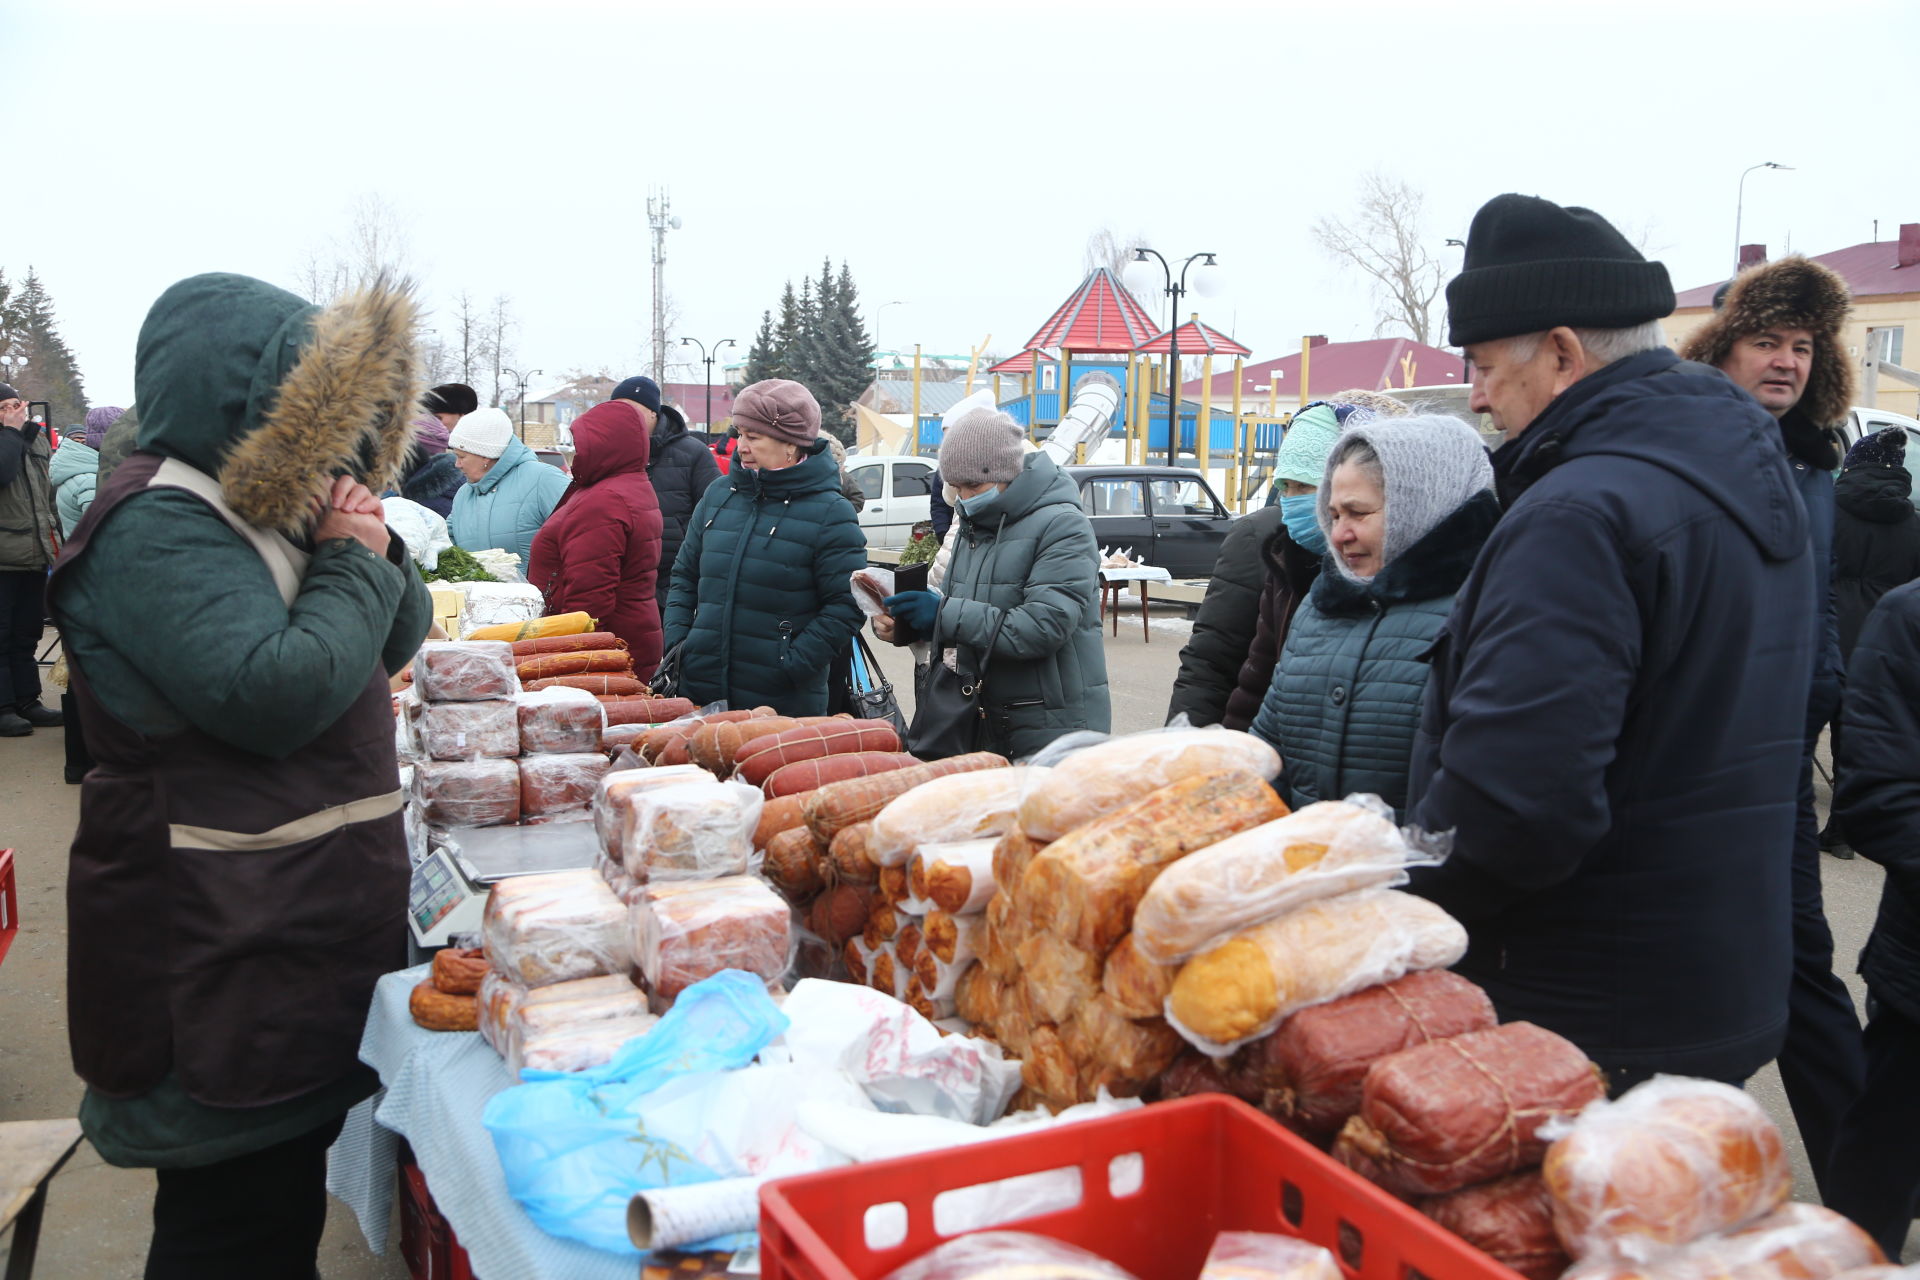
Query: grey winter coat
(1344,705)
(1030,554)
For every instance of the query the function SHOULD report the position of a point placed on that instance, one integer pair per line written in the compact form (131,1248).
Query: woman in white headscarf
(1405,504)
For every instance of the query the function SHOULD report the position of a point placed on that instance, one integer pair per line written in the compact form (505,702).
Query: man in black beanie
(1606,730)
(450,402)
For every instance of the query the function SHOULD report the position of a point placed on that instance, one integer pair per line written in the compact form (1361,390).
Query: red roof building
(691,399)
(1020,364)
(1374,365)
(1099,316)
(1873,269)
(1195,339)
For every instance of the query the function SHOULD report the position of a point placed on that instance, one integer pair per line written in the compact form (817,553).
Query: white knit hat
(484,432)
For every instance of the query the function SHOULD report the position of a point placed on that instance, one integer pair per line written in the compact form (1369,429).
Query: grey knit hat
(1430,464)
(983,446)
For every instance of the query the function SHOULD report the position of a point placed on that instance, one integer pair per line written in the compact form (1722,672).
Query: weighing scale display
(435,892)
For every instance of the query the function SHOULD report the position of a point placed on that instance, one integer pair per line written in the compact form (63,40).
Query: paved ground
(96,1227)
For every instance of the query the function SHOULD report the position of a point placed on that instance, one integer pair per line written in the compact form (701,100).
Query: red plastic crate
(9,902)
(1209,1163)
(427,1243)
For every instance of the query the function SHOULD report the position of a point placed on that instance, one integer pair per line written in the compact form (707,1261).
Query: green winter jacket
(762,595)
(1346,694)
(177,622)
(74,472)
(28,525)
(1029,555)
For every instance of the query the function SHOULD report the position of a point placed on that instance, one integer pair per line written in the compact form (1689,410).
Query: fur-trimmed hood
(274,397)
(1791,293)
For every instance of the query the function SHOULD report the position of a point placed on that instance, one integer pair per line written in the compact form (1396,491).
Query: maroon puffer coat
(599,551)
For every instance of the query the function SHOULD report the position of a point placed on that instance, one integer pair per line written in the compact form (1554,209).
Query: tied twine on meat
(1374,1145)
(1286,1097)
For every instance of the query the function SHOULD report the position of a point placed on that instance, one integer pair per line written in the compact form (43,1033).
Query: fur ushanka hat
(1792,293)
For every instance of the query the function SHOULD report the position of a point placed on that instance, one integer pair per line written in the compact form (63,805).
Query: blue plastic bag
(574,1145)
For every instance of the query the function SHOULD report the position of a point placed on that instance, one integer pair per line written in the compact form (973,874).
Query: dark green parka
(762,594)
(1029,553)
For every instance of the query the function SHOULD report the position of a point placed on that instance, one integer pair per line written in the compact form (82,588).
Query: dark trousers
(1875,1174)
(1823,1064)
(254,1217)
(23,603)
(79,760)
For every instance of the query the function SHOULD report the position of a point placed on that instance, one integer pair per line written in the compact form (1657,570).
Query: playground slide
(1087,420)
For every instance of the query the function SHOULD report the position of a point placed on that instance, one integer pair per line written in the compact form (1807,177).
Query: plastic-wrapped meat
(465,670)
(544,929)
(1510,1219)
(468,730)
(687,930)
(1794,1242)
(561,721)
(469,793)
(1450,1113)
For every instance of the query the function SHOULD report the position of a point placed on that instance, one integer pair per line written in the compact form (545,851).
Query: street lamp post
(708,361)
(1176,288)
(522,379)
(1740,201)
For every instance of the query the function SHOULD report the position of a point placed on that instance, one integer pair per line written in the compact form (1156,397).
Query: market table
(1114,581)
(436,1084)
(31,1152)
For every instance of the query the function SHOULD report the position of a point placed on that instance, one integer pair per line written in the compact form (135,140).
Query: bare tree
(1106,249)
(375,243)
(496,328)
(1385,240)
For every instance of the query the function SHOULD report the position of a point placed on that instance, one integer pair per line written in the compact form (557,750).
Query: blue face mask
(1302,519)
(978,502)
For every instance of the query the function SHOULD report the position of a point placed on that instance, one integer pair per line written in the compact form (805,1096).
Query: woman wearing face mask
(1291,546)
(1405,506)
(762,595)
(1023,561)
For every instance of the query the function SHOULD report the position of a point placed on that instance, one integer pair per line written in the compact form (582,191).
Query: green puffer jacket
(762,594)
(1346,694)
(1030,554)
(74,473)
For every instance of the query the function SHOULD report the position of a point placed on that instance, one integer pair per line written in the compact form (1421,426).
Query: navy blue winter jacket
(1614,723)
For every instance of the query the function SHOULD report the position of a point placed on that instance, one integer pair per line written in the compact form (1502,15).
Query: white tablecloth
(436,1085)
(1145,573)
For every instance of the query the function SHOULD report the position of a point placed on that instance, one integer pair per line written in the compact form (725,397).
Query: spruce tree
(761,355)
(50,373)
(786,336)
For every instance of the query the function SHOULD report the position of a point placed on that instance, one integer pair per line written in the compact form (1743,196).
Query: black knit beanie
(1532,265)
(644,392)
(451,397)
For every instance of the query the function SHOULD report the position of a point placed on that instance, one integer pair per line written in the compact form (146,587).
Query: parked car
(897,489)
(1169,516)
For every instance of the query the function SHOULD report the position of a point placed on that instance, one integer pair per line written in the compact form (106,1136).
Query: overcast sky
(956,156)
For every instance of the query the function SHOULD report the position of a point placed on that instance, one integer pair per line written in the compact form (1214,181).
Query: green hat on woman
(1305,446)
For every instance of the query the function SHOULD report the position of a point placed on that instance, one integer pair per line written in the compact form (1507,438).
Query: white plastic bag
(422,529)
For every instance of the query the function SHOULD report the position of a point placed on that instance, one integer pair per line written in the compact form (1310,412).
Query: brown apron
(228,913)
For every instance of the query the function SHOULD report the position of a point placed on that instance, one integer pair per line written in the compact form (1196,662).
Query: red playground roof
(1022,363)
(1374,364)
(1196,339)
(1100,316)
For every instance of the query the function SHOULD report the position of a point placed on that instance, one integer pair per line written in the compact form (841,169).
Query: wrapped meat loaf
(1509,1219)
(1313,1066)
(1261,1255)
(1451,1113)
(1324,850)
(560,721)
(965,806)
(578,1048)
(468,793)
(1084,887)
(1794,1242)
(1115,1052)
(566,1035)
(500,996)
(556,784)
(1100,779)
(1672,1160)
(544,929)
(1009,1255)
(954,877)
(1138,987)
(467,730)
(465,670)
(692,831)
(687,930)
(1244,987)
(611,810)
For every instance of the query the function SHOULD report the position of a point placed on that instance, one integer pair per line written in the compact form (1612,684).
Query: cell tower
(661,218)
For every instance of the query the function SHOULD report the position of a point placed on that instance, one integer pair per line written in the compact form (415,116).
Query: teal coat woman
(762,594)
(505,507)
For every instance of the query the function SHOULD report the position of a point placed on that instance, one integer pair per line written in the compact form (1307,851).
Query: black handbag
(949,716)
(869,693)
(666,677)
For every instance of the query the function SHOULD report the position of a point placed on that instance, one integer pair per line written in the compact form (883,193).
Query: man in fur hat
(1776,333)
(232,605)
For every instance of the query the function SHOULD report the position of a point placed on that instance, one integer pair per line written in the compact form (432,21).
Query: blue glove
(917,610)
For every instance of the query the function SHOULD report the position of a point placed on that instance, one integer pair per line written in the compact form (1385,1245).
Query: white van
(897,489)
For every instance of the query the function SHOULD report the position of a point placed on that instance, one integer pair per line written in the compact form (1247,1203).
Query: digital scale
(448,894)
